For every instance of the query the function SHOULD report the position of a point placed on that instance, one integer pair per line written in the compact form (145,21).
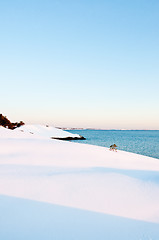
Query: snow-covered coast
(37,132)
(52,189)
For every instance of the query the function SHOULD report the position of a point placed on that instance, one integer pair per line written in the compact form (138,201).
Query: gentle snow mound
(51,185)
(36,131)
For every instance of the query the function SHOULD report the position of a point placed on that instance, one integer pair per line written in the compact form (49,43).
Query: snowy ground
(51,189)
(36,131)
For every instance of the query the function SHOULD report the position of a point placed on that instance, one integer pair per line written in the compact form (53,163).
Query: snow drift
(38,131)
(76,186)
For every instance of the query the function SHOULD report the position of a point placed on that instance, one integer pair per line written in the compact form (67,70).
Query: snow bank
(66,181)
(26,219)
(37,131)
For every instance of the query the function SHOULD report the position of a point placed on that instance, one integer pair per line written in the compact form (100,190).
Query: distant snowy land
(51,189)
(38,131)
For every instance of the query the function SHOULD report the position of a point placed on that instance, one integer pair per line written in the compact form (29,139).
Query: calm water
(145,142)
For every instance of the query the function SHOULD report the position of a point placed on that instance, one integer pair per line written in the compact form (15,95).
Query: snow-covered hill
(60,190)
(37,131)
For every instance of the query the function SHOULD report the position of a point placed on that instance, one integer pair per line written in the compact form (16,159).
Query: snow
(36,131)
(52,189)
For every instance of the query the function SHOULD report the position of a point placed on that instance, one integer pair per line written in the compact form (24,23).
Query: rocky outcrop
(69,138)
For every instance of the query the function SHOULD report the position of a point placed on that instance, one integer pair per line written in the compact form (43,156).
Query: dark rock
(69,138)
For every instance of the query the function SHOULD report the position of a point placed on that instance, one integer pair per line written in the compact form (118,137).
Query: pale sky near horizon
(84,63)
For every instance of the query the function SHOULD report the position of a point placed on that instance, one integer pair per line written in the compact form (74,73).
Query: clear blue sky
(84,63)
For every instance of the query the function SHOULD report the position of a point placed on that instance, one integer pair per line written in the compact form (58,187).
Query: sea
(144,142)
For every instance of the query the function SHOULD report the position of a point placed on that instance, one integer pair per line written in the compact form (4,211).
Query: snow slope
(36,131)
(51,189)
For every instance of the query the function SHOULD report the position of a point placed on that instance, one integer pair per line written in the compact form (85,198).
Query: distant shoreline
(111,129)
